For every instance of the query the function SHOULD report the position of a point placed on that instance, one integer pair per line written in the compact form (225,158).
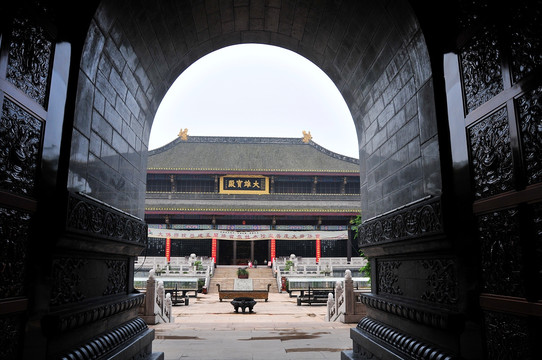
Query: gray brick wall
(373,51)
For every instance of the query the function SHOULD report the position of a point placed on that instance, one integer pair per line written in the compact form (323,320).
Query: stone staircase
(226,275)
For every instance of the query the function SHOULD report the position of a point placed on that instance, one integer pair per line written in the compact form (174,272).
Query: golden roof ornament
(306,136)
(183,134)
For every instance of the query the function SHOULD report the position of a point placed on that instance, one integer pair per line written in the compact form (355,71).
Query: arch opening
(256,90)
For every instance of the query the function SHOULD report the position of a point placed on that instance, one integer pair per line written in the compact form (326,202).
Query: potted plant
(242,273)
(356,223)
(289,265)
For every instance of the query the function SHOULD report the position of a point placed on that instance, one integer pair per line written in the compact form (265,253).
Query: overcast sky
(256,90)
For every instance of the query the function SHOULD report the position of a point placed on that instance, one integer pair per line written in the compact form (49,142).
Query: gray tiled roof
(249,154)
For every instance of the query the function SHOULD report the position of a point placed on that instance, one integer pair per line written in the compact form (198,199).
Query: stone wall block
(102,127)
(272,16)
(431,167)
(427,112)
(85,100)
(420,59)
(241,15)
(103,86)
(92,51)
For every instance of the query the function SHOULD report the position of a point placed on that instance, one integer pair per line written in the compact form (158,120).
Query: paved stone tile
(278,329)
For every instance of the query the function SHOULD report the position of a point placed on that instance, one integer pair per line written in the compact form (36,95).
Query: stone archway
(132,53)
(113,63)
(375,56)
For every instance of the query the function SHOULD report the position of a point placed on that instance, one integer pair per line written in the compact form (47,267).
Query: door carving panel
(493,81)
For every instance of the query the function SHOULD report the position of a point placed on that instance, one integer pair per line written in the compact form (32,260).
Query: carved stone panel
(117,277)
(94,219)
(11,336)
(506,336)
(388,277)
(433,280)
(67,283)
(14,227)
(76,279)
(481,69)
(491,155)
(413,222)
(20,137)
(525,37)
(530,122)
(420,315)
(66,321)
(29,60)
(441,281)
(537,246)
(501,258)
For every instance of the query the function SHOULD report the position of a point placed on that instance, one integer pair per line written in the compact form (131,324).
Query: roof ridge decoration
(253,140)
(183,134)
(307,136)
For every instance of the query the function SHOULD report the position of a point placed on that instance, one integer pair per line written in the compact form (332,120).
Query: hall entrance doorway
(243,254)
(261,252)
(240,252)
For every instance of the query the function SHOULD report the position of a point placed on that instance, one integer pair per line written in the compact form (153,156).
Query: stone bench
(254,294)
(313,297)
(177,298)
(243,303)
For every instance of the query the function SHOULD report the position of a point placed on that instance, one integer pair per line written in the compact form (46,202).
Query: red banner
(273,250)
(168,249)
(213,250)
(318,250)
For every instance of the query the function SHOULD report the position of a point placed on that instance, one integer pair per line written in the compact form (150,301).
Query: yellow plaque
(244,184)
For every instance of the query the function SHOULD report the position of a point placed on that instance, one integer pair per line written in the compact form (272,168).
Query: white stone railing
(307,267)
(344,304)
(157,307)
(177,265)
(330,261)
(208,272)
(278,277)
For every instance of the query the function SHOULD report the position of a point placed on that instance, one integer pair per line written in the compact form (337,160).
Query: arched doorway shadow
(386,60)
(375,54)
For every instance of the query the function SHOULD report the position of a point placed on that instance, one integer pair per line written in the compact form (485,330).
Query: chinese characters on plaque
(244,184)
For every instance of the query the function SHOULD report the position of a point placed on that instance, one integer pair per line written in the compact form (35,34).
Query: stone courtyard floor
(277,329)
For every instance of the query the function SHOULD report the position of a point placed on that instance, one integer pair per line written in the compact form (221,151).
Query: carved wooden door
(494,91)
(26,67)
